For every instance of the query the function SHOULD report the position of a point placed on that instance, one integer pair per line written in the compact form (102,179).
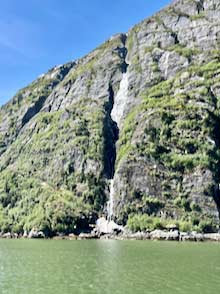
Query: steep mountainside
(138,119)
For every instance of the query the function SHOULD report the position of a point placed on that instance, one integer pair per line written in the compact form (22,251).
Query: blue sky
(36,35)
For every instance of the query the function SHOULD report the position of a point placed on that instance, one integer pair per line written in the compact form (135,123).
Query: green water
(118,267)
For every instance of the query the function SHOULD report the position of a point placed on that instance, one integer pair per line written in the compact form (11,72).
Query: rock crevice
(114,109)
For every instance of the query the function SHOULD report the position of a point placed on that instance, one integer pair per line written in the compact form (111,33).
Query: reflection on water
(106,267)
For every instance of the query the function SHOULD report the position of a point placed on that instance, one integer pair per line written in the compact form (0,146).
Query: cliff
(139,115)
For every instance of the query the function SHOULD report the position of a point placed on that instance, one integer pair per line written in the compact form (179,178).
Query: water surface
(108,267)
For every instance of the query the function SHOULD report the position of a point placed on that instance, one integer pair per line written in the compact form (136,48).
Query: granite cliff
(138,118)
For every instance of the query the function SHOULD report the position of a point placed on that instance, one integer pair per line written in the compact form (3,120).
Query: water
(120,100)
(110,203)
(106,267)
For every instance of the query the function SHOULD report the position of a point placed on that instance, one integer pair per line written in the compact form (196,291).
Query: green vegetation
(58,141)
(41,186)
(169,107)
(92,64)
(29,203)
(201,15)
(143,222)
(54,171)
(178,134)
(183,50)
(31,96)
(126,136)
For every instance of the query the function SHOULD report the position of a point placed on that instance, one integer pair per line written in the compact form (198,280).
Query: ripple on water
(106,267)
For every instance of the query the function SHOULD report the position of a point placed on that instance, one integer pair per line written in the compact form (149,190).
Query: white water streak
(120,101)
(110,203)
(117,113)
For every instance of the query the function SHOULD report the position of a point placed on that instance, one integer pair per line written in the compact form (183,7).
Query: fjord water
(118,267)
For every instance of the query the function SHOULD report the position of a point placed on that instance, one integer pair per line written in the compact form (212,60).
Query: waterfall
(119,103)
(117,113)
(120,100)
(110,203)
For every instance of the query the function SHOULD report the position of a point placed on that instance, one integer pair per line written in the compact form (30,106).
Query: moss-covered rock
(58,148)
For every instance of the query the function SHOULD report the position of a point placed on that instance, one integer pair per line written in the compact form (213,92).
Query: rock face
(141,110)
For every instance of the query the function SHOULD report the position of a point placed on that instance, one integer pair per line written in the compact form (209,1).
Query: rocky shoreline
(159,235)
